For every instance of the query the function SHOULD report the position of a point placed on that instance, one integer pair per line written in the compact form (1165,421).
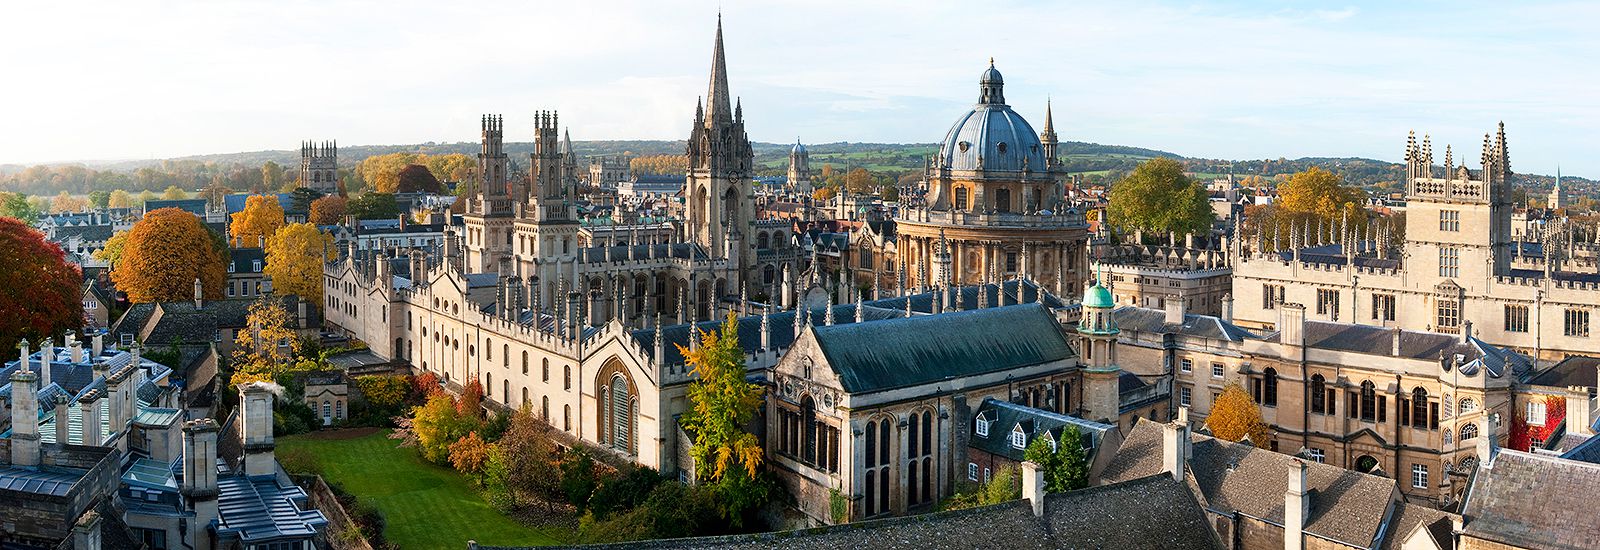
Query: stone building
(799,179)
(319,166)
(995,202)
(1150,275)
(606,171)
(1372,399)
(327,393)
(1459,260)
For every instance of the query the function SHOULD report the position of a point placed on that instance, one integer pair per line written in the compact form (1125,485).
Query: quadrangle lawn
(423,505)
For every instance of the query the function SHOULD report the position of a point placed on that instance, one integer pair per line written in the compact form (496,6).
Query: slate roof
(1534,501)
(258,509)
(1372,340)
(1587,450)
(1149,513)
(243,260)
(1004,416)
(1201,326)
(1577,370)
(1408,517)
(89,233)
(906,352)
(192,206)
(1345,505)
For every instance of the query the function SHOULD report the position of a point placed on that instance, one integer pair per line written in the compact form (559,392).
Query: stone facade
(319,168)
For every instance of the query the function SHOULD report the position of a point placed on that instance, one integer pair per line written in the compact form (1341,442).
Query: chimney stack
(1395,341)
(1580,411)
(1174,449)
(89,407)
(1033,486)
(1227,308)
(24,418)
(1488,445)
(199,297)
(118,391)
(1174,309)
(74,348)
(86,532)
(1291,324)
(256,398)
(99,344)
(1296,506)
(61,401)
(200,475)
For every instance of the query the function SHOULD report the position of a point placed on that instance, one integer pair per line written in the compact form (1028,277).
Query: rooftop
(923,349)
(1534,501)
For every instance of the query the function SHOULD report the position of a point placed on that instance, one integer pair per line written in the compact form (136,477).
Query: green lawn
(425,506)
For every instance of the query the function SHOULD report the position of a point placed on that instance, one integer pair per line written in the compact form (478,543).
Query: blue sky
(1226,80)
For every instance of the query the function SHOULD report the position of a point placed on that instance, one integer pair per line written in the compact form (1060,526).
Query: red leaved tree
(416,178)
(39,290)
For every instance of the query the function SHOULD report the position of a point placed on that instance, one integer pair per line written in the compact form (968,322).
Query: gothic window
(763,241)
(1420,410)
(1382,307)
(1319,400)
(1449,262)
(1449,220)
(808,429)
(505,358)
(961,198)
(620,415)
(876,491)
(546,362)
(505,391)
(1516,318)
(1271,296)
(544,408)
(566,418)
(1269,388)
(1468,431)
(1369,401)
(1468,405)
(1449,314)
(1328,302)
(769,274)
(1575,322)
(524,362)
(567,383)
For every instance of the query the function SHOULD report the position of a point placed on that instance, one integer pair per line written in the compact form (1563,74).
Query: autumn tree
(1321,194)
(858,181)
(267,347)
(452,167)
(215,194)
(120,199)
(111,253)
(826,192)
(438,423)
(660,165)
(328,210)
(416,178)
(262,216)
(536,472)
(163,255)
(721,403)
(295,255)
(271,175)
(173,192)
(38,287)
(1158,197)
(99,199)
(1235,416)
(469,455)
(65,202)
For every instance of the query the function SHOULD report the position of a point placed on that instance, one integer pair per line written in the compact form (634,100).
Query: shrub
(624,492)
(578,478)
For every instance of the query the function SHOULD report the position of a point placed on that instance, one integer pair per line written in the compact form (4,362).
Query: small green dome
(1097,296)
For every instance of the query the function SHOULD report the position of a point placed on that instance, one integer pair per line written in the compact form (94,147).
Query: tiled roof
(1408,517)
(1005,416)
(1202,326)
(906,352)
(1587,450)
(1345,506)
(1577,370)
(1150,513)
(1534,501)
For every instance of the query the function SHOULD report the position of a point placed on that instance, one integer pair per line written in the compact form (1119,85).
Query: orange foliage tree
(261,217)
(38,288)
(469,455)
(295,255)
(1235,415)
(328,210)
(163,255)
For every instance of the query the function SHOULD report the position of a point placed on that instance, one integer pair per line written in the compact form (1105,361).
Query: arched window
(505,358)
(567,380)
(620,414)
(338,409)
(525,401)
(488,349)
(1468,405)
(808,430)
(546,369)
(1269,383)
(544,408)
(876,486)
(524,362)
(505,392)
(1369,401)
(488,385)
(1419,409)
(1468,431)
(327,411)
(762,242)
(566,418)
(1319,399)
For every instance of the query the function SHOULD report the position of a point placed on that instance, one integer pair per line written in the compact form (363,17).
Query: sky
(1240,80)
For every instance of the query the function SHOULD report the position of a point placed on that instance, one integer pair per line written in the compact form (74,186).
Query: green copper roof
(897,353)
(1098,296)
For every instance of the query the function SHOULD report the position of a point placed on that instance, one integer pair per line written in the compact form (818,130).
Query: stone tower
(547,222)
(1097,333)
(1558,196)
(489,217)
(319,166)
(721,205)
(799,168)
(1458,223)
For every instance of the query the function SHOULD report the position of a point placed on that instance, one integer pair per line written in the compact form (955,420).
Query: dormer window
(1019,438)
(983,427)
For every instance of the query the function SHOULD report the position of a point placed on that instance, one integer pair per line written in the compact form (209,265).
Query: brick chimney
(24,417)
(1033,486)
(200,475)
(256,400)
(1296,506)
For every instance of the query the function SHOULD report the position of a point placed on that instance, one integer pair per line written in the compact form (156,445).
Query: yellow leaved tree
(1235,415)
(721,403)
(268,346)
(261,217)
(295,254)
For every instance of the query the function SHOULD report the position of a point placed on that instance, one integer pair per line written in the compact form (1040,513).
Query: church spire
(1048,136)
(719,108)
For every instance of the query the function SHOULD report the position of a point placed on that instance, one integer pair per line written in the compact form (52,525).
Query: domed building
(995,193)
